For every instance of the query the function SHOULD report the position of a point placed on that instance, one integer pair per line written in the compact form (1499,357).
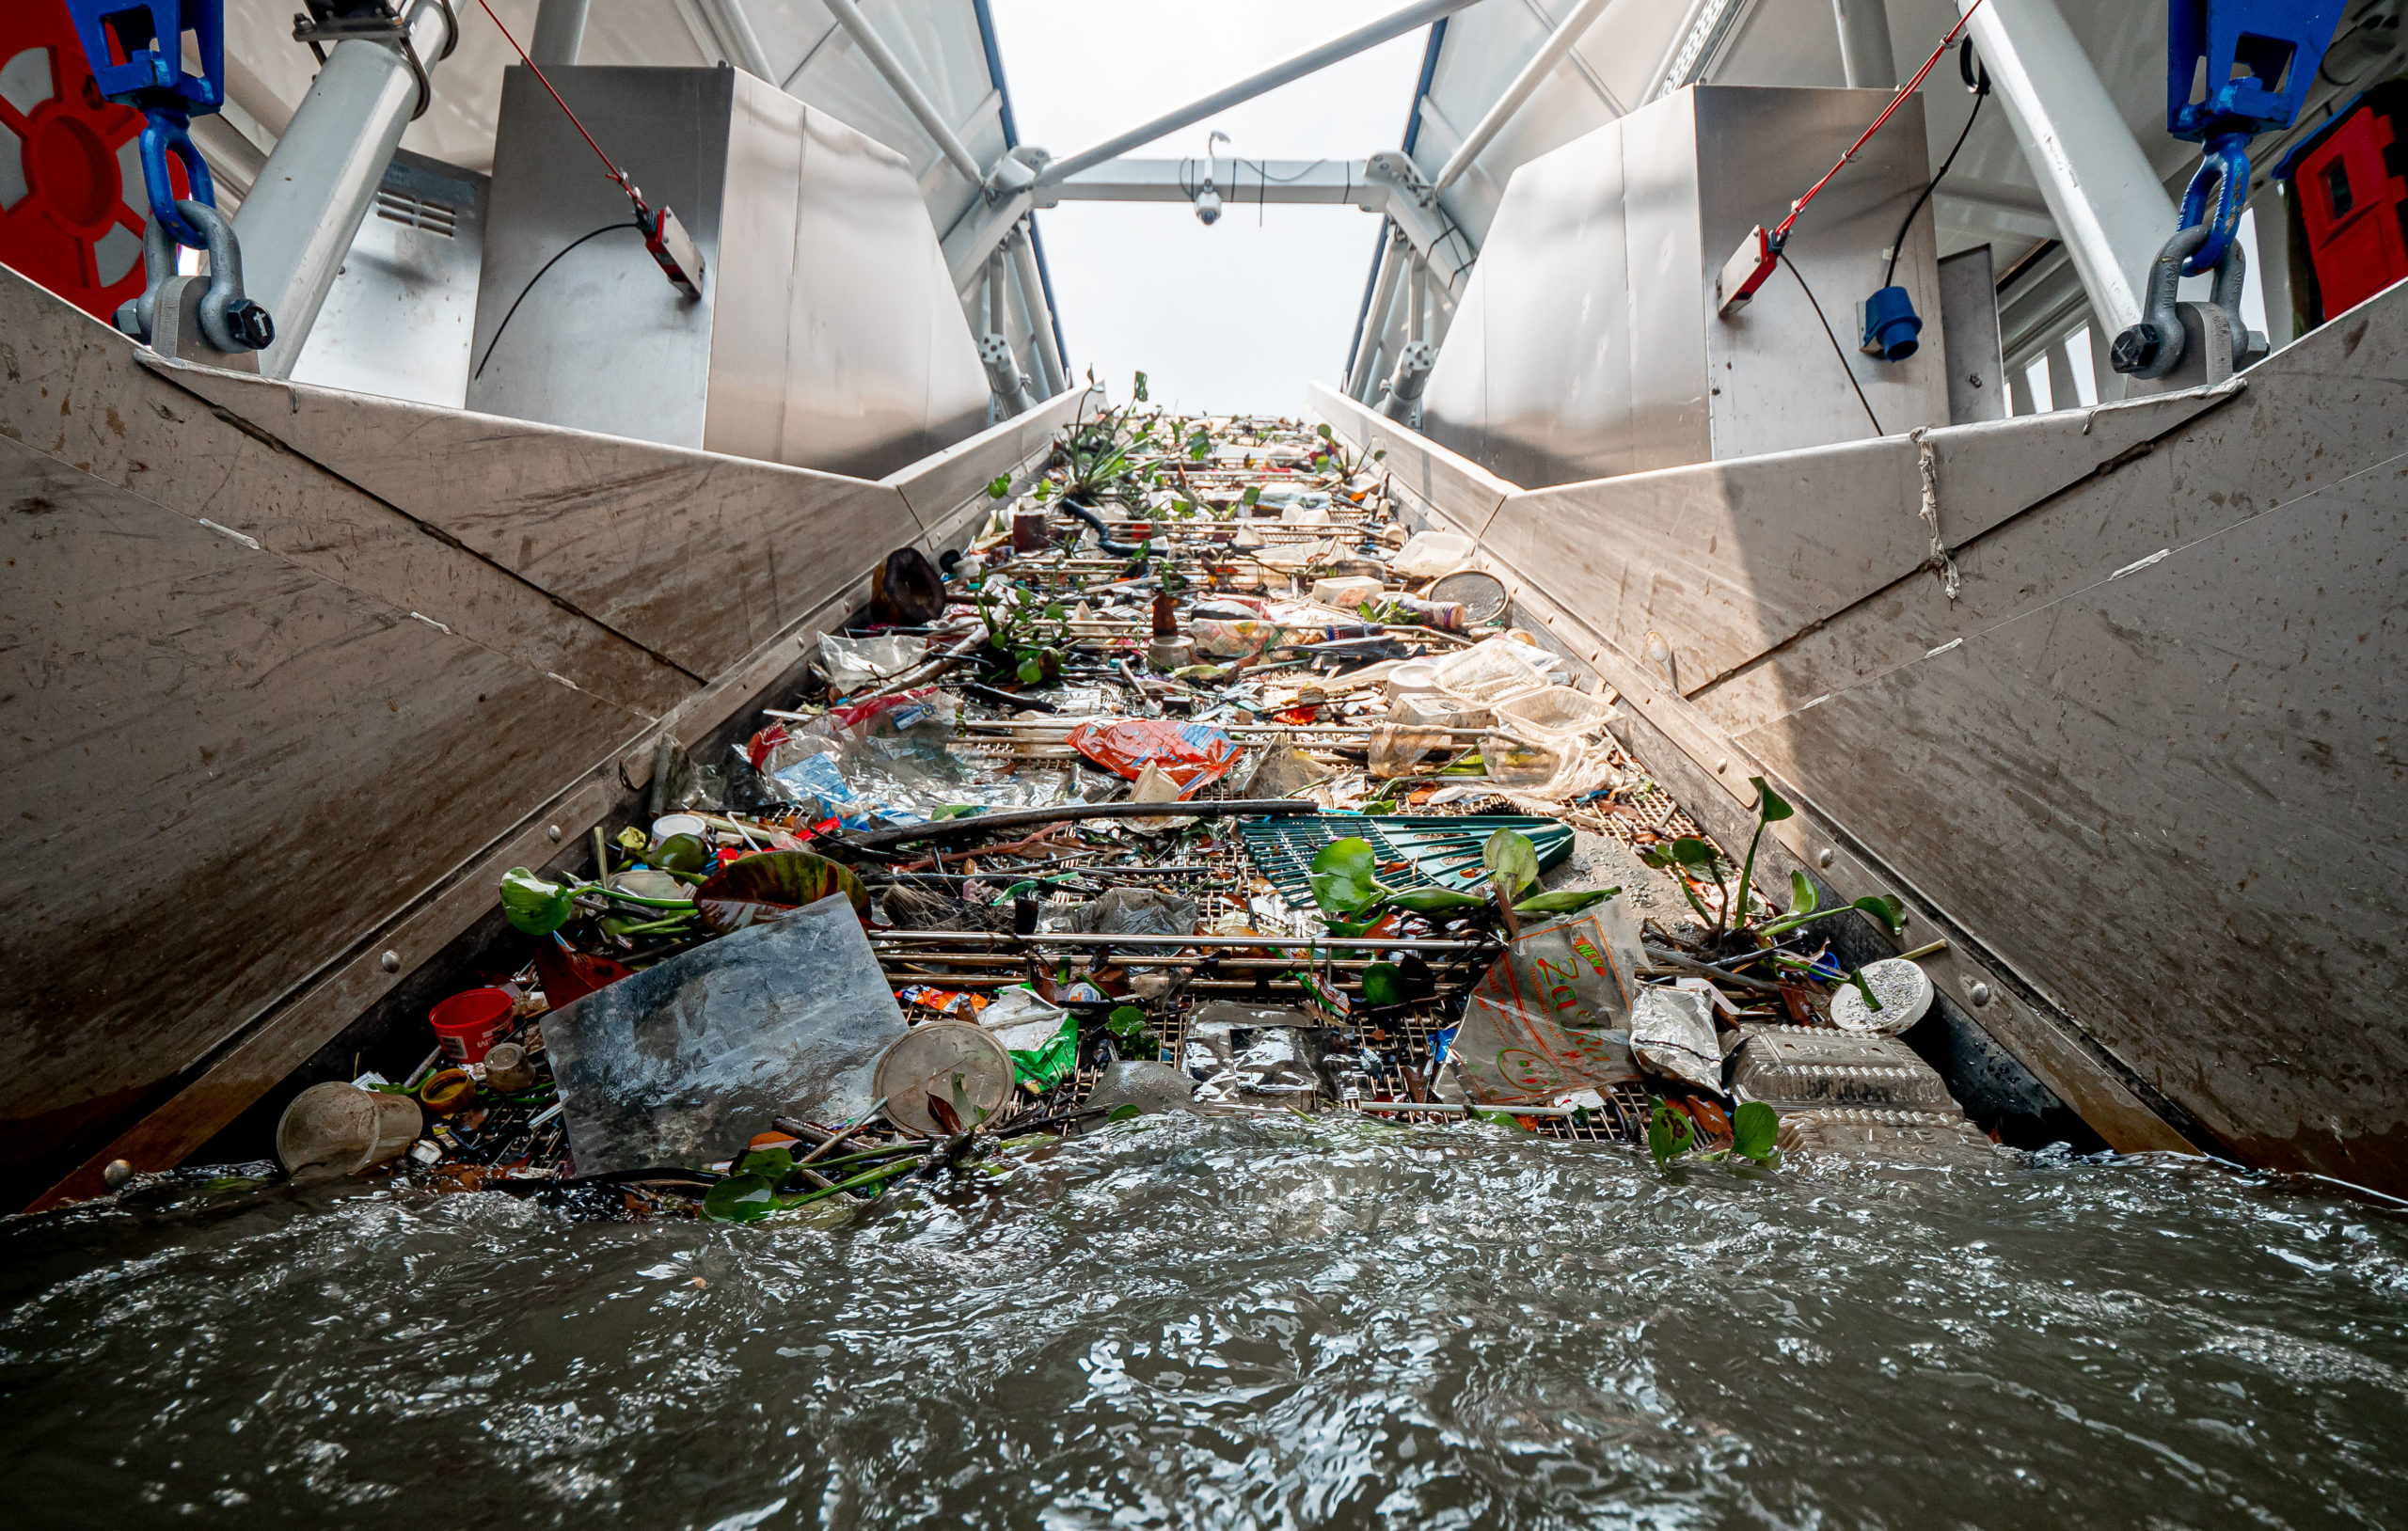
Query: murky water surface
(1212,1323)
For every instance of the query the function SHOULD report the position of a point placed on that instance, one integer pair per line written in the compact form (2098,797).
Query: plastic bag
(1490,671)
(1671,1034)
(682,1063)
(1192,754)
(1242,1054)
(1135,911)
(1397,749)
(1553,1014)
(1042,1038)
(851,663)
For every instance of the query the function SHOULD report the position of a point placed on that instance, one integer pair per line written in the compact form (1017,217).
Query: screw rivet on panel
(1980,991)
(392,962)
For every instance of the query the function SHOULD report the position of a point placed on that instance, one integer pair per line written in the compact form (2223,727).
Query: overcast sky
(1238,316)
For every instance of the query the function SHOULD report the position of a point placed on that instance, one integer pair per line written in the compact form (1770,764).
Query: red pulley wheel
(72,202)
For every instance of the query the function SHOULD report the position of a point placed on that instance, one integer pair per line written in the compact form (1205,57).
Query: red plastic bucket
(467,1025)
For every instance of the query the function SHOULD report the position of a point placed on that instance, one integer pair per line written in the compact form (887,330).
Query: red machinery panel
(71,203)
(2353,204)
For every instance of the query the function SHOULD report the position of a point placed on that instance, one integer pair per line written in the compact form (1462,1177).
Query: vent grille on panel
(416,211)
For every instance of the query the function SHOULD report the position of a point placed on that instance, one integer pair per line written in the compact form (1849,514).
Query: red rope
(620,176)
(1912,85)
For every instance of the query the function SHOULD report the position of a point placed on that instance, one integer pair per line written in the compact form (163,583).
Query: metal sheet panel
(880,367)
(1781,387)
(828,334)
(1659,308)
(1969,310)
(1603,259)
(398,321)
(599,342)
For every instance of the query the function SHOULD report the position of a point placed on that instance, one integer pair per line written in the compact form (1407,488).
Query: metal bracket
(375,21)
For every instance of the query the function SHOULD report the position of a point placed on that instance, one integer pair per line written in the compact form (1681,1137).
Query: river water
(1181,1322)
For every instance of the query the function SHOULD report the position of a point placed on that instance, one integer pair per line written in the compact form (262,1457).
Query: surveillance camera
(1208,207)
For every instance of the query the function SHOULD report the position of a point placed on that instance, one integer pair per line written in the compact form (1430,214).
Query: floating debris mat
(1443,851)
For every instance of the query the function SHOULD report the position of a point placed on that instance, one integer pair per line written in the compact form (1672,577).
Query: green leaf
(1323,432)
(1771,806)
(632,838)
(1513,862)
(1755,1131)
(1692,852)
(1054,611)
(1140,389)
(1030,670)
(1380,457)
(681,853)
(1199,446)
(1435,901)
(533,905)
(1884,909)
(1343,880)
(1122,1114)
(771,1164)
(1496,1118)
(1668,1133)
(1802,897)
(1658,857)
(1566,901)
(1128,1023)
(740,1198)
(764,886)
(1253,495)
(1000,486)
(1384,984)
(1350,927)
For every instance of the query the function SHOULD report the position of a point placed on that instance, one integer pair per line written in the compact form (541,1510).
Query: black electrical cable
(1835,347)
(537,277)
(1103,533)
(1966,65)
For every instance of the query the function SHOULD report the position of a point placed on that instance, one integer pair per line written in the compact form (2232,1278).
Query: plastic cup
(467,1025)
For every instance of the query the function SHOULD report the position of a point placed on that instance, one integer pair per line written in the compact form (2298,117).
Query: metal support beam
(1414,208)
(1865,55)
(1542,64)
(1326,183)
(734,28)
(976,236)
(1420,13)
(2109,207)
(1375,317)
(560,32)
(907,89)
(307,203)
(1032,293)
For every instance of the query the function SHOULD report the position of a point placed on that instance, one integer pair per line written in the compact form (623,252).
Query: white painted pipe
(560,32)
(898,79)
(311,197)
(1542,64)
(1371,34)
(1866,57)
(2110,209)
(1376,320)
(735,34)
(1040,318)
